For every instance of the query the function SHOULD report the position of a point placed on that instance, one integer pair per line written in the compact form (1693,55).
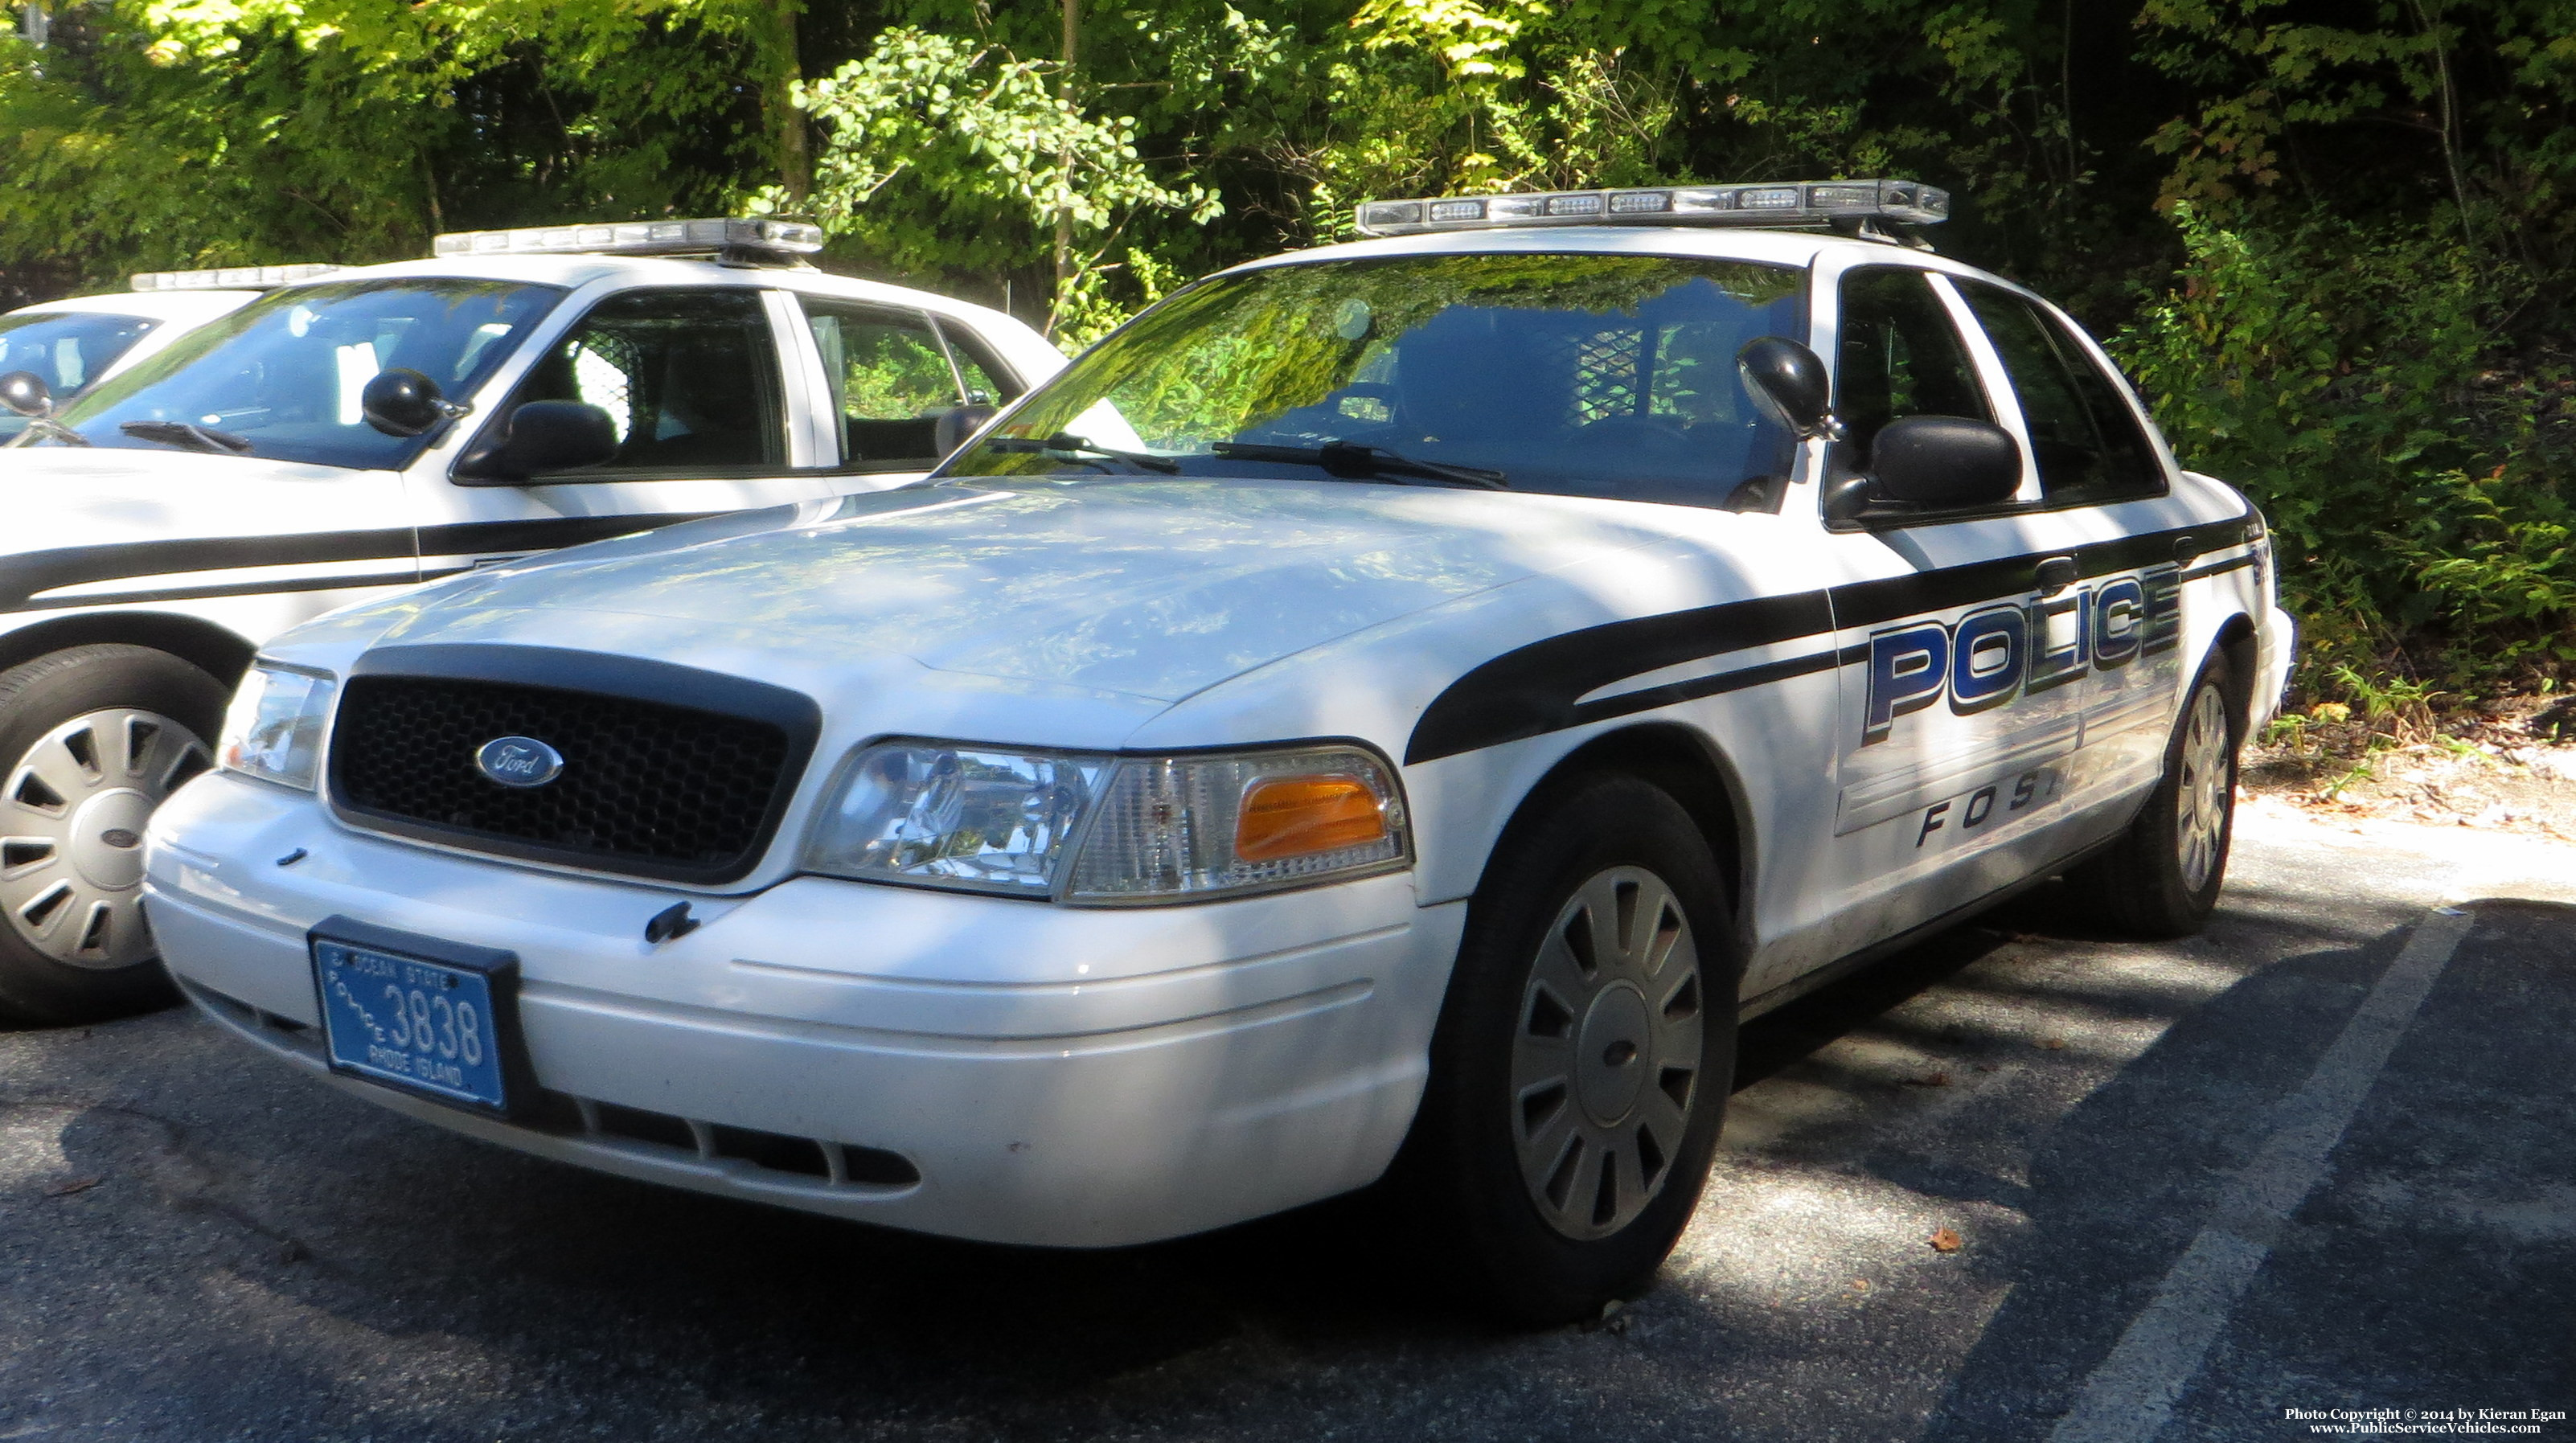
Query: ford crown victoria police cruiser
(360,430)
(1389,711)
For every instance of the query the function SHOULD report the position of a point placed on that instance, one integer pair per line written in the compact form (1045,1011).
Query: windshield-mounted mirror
(1791,382)
(26,393)
(403,402)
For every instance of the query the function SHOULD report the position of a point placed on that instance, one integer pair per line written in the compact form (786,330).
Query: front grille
(647,787)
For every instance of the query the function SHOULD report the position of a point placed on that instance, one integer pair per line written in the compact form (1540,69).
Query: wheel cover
(1606,1053)
(71,832)
(2200,802)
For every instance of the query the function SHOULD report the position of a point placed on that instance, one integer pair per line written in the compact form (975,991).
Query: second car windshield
(65,349)
(281,377)
(1589,375)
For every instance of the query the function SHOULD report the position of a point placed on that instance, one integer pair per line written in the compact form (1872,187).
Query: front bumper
(1044,1075)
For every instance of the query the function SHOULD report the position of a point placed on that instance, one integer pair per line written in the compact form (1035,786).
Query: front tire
(2162,878)
(93,738)
(1583,1058)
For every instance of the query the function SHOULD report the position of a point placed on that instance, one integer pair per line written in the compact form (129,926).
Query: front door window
(688,379)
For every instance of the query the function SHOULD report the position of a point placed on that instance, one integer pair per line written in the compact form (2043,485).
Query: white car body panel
(1092,1075)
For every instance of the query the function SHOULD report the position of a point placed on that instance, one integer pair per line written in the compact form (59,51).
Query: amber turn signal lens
(1300,816)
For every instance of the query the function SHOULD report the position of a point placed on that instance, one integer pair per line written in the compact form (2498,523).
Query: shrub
(2357,384)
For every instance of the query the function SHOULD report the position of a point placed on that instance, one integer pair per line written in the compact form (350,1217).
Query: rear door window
(2089,443)
(891,375)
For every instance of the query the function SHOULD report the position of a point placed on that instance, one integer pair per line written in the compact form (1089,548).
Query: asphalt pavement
(2025,1182)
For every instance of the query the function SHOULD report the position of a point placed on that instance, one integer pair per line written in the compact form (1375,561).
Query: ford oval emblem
(519,761)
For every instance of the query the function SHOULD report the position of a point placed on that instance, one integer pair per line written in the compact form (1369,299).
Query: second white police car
(1390,711)
(357,430)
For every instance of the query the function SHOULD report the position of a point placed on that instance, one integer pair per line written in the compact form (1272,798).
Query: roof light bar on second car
(637,238)
(1794,203)
(229,278)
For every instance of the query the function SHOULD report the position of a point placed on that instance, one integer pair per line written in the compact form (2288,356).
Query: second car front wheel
(1583,1058)
(93,738)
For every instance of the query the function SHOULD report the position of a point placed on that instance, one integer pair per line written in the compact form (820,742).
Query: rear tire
(2162,878)
(92,739)
(1584,1054)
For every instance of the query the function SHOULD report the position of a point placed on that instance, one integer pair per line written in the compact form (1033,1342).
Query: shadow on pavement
(2433,1266)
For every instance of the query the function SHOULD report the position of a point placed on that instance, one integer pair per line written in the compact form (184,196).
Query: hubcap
(1606,1056)
(71,832)
(2200,802)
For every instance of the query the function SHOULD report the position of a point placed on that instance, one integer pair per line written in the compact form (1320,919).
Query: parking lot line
(2130,1396)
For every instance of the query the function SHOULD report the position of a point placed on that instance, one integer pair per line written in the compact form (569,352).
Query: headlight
(954,816)
(274,729)
(1101,829)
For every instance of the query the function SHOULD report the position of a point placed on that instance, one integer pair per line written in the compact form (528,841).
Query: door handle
(2054,575)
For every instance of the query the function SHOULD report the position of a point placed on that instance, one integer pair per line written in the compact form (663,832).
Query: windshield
(1584,375)
(281,376)
(68,349)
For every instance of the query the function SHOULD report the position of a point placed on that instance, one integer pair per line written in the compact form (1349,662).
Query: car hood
(115,474)
(79,522)
(1155,589)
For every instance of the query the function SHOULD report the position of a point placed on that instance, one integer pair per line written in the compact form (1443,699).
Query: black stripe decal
(2219,568)
(1533,690)
(1649,698)
(25,575)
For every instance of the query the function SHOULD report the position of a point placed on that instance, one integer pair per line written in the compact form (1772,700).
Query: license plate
(429,1017)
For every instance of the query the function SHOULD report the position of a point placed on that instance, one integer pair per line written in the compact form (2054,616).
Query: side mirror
(957,425)
(403,402)
(26,393)
(1939,463)
(1791,383)
(551,436)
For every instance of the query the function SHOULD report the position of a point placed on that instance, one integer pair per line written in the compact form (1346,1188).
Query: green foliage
(2354,380)
(980,130)
(158,133)
(2335,237)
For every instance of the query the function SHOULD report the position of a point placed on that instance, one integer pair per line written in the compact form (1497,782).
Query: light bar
(1790,203)
(635,238)
(229,278)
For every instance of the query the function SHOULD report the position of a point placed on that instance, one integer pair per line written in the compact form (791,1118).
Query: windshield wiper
(1081,446)
(188,435)
(1354,462)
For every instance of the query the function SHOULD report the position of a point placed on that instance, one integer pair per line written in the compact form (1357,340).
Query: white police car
(67,346)
(356,431)
(1394,706)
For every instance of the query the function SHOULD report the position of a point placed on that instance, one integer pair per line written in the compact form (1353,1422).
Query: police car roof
(575,270)
(1794,248)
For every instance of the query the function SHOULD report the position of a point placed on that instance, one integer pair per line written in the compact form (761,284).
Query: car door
(699,396)
(889,373)
(1954,731)
(2104,477)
